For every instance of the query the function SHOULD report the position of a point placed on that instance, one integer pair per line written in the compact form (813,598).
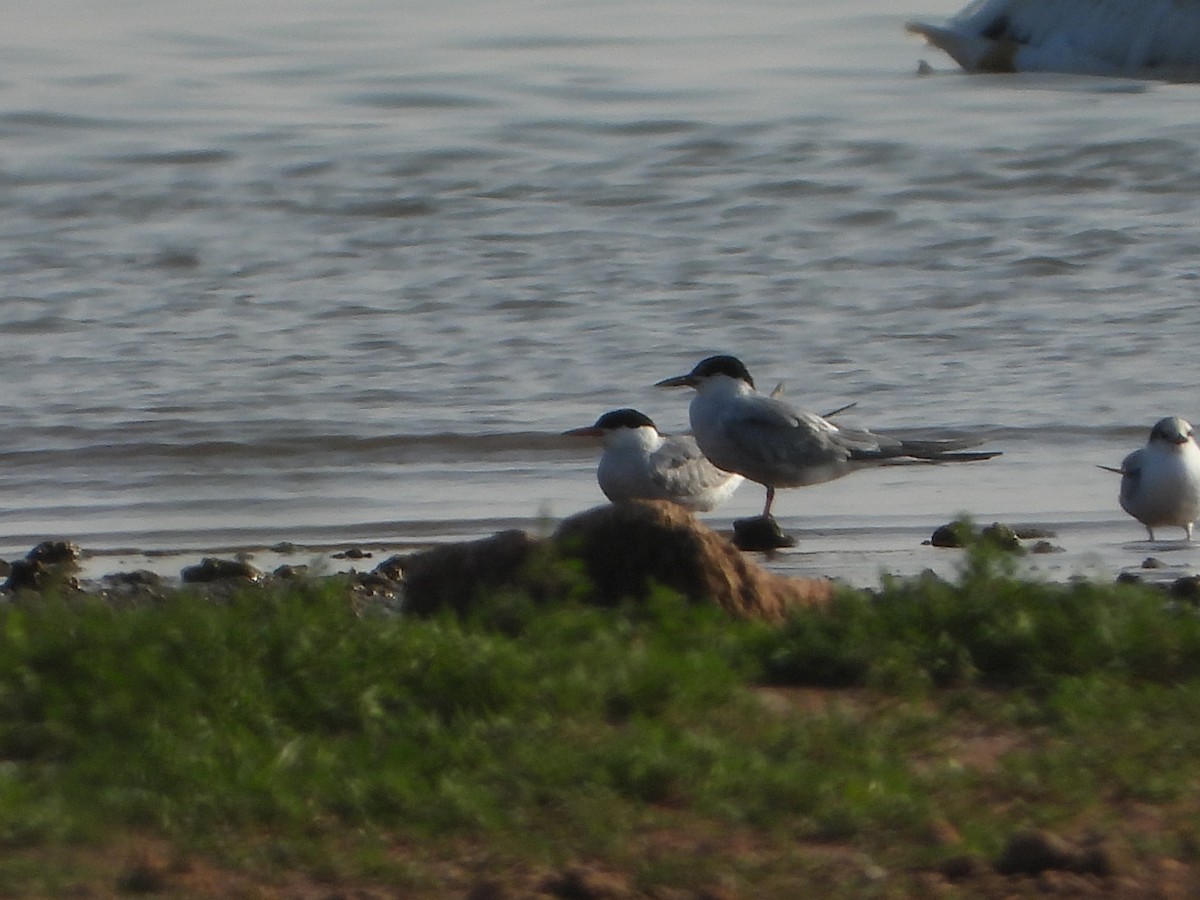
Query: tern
(1160,483)
(640,463)
(776,445)
(1156,39)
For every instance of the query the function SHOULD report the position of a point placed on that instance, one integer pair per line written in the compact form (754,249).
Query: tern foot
(760,533)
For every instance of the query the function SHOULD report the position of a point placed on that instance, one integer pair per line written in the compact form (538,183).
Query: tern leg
(1150,531)
(770,499)
(1188,529)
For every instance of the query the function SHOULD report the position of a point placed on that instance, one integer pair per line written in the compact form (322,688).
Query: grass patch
(281,731)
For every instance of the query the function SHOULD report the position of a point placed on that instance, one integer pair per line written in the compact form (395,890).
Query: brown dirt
(625,549)
(149,868)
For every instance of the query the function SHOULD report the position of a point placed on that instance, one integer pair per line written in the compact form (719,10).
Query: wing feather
(1131,38)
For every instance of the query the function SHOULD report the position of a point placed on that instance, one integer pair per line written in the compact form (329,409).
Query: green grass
(281,729)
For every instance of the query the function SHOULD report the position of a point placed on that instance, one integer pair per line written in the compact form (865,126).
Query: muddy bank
(858,557)
(604,555)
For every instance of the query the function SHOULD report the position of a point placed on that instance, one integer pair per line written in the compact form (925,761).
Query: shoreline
(860,557)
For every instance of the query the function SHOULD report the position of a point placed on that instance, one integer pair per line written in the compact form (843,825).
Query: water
(276,272)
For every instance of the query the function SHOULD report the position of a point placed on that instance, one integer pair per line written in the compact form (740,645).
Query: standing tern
(772,443)
(639,463)
(1160,483)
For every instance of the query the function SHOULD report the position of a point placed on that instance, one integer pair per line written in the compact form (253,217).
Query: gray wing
(775,444)
(1131,475)
(681,470)
(770,442)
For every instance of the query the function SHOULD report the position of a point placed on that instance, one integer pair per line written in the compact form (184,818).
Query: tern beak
(677,381)
(588,431)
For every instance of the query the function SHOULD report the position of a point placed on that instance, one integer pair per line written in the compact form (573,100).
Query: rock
(139,587)
(1129,578)
(1046,547)
(760,533)
(288,572)
(579,883)
(488,889)
(284,548)
(954,534)
(55,553)
(959,868)
(1186,588)
(391,568)
(961,533)
(143,874)
(625,550)
(1153,562)
(5,568)
(28,575)
(136,578)
(376,581)
(1034,852)
(1032,532)
(1001,537)
(212,569)
(454,575)
(46,566)
(352,553)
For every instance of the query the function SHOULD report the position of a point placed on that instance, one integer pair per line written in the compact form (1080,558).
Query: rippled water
(273,271)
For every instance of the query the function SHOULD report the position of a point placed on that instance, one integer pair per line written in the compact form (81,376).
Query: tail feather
(929,449)
(913,460)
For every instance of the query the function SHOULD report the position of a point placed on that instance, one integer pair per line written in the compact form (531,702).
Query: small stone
(1036,851)
(376,580)
(1129,578)
(27,575)
(959,868)
(486,889)
(290,572)
(1153,562)
(1186,588)
(352,553)
(760,533)
(1002,537)
(1032,532)
(955,534)
(143,875)
(283,547)
(1046,547)
(136,578)
(391,568)
(212,569)
(55,553)
(580,883)
(1099,859)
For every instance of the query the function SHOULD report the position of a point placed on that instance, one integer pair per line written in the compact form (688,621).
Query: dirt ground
(147,868)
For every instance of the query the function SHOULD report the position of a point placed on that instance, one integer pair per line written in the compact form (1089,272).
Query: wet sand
(859,557)
(856,529)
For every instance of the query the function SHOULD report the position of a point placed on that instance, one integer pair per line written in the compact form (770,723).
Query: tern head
(710,368)
(612,422)
(1171,430)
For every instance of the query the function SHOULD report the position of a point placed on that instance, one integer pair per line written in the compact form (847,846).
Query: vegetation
(282,734)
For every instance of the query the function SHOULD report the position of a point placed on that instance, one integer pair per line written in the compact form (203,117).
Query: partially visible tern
(1160,483)
(640,463)
(1157,39)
